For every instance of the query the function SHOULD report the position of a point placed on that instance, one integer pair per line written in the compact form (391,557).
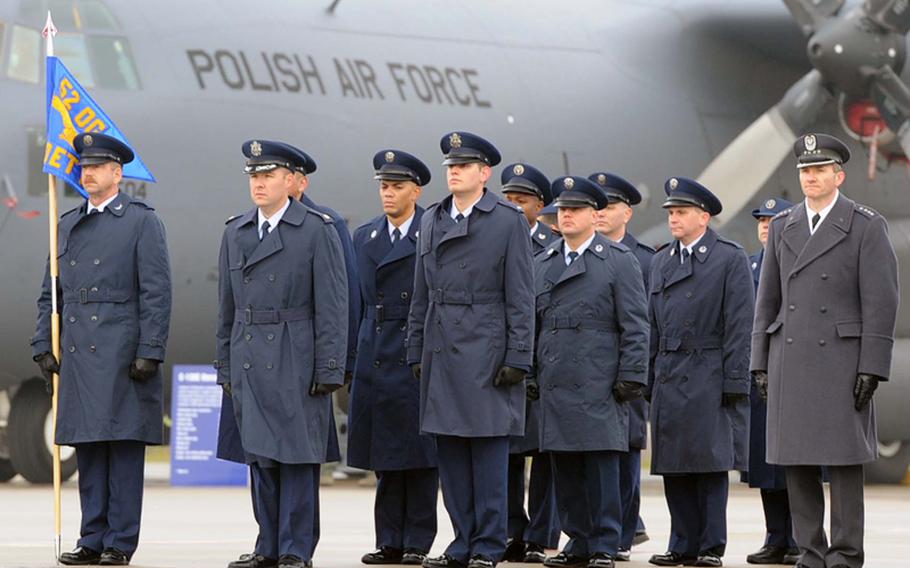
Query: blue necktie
(265,230)
(396,235)
(459,218)
(572,256)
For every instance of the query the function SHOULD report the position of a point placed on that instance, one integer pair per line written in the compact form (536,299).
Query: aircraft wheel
(891,465)
(30,436)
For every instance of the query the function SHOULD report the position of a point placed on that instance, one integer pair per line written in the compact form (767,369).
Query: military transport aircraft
(716,89)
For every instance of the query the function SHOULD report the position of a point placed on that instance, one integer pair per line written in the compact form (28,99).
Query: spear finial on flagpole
(49,31)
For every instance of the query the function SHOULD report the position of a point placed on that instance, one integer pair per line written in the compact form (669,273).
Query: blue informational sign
(195,409)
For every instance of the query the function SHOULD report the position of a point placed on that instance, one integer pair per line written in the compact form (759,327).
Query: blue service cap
(549,210)
(463,148)
(685,192)
(267,155)
(616,187)
(522,178)
(576,191)
(302,162)
(820,150)
(95,148)
(397,165)
(771,207)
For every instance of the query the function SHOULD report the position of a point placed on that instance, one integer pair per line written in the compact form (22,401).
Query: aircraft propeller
(860,54)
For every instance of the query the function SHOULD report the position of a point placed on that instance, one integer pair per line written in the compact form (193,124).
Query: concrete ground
(208,527)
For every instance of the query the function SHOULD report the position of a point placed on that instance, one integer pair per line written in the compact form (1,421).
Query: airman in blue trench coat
(592,358)
(470,341)
(701,304)
(281,346)
(779,546)
(537,529)
(612,221)
(115,291)
(384,434)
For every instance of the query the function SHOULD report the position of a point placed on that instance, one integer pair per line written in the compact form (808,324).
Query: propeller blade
(810,13)
(743,167)
(892,97)
(893,15)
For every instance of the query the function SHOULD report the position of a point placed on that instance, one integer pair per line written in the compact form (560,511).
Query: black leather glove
(319,389)
(142,369)
(508,376)
(532,391)
(49,367)
(729,399)
(348,378)
(415,369)
(646,394)
(226,387)
(626,391)
(761,383)
(863,390)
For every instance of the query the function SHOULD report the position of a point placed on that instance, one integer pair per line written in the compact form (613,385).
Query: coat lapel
(378,244)
(796,230)
(407,245)
(673,271)
(833,230)
(272,243)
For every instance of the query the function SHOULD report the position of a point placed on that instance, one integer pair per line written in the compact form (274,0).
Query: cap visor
(95,160)
(801,165)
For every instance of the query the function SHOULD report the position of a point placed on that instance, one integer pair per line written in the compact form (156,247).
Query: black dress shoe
(413,557)
(515,550)
(384,555)
(253,561)
(709,559)
(672,559)
(600,560)
(767,555)
(81,556)
(444,561)
(623,555)
(293,561)
(563,560)
(791,557)
(480,561)
(113,557)
(640,537)
(534,554)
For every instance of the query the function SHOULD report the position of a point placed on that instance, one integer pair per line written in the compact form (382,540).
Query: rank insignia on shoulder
(327,217)
(551,252)
(231,218)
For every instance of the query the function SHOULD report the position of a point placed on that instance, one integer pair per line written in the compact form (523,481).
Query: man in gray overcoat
(701,306)
(281,344)
(592,360)
(470,341)
(822,341)
(115,290)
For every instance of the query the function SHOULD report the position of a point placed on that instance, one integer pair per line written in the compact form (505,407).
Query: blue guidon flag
(70,111)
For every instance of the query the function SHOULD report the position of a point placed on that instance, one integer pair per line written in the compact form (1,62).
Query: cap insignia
(88,140)
(674,183)
(389,157)
(601,179)
(455,140)
(568,183)
(810,142)
(770,204)
(256,148)
(518,169)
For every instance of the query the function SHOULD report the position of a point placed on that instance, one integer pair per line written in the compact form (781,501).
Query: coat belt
(690,343)
(569,322)
(97,295)
(388,312)
(250,316)
(461,297)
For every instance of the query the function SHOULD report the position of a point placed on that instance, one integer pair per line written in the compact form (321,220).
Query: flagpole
(49,32)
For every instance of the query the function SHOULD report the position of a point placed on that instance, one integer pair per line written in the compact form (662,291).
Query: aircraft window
(95,15)
(71,49)
(25,55)
(112,61)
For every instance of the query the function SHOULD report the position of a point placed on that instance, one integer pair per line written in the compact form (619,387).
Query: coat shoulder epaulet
(73,210)
(782,214)
(619,246)
(141,204)
(509,205)
(729,242)
(646,247)
(326,218)
(231,218)
(368,224)
(865,211)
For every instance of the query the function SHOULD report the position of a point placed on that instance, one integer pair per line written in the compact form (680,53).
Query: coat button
(792,307)
(688,294)
(666,296)
(823,309)
(378,329)
(248,337)
(271,277)
(688,323)
(789,340)
(72,263)
(436,350)
(462,264)
(246,279)
(72,319)
(685,379)
(404,295)
(457,322)
(91,348)
(401,362)
(269,366)
(94,318)
(824,276)
(96,262)
(379,295)
(552,358)
(546,286)
(376,364)
(821,342)
(72,348)
(270,336)
(404,327)
(246,365)
(551,386)
(94,289)
(454,349)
